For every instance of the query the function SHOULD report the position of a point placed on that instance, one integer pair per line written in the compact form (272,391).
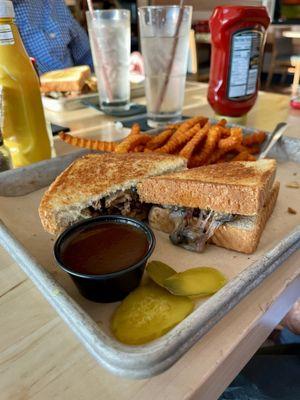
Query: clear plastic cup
(109,33)
(164,32)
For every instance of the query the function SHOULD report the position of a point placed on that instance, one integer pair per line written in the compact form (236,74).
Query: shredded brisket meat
(121,202)
(194,227)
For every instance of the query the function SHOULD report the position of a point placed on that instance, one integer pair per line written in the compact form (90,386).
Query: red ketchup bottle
(238,36)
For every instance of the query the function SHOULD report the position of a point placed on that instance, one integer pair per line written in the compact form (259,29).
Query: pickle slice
(159,272)
(148,313)
(202,281)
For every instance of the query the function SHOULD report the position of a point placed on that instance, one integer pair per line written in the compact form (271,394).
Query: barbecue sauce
(105,248)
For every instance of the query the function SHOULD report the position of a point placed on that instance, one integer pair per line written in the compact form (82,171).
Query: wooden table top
(41,359)
(269,109)
(291,34)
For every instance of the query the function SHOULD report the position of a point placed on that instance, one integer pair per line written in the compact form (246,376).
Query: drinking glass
(164,32)
(109,33)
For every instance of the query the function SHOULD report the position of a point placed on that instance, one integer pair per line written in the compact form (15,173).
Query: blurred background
(281,64)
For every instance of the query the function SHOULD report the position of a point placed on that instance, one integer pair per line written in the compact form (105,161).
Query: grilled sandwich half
(100,184)
(227,204)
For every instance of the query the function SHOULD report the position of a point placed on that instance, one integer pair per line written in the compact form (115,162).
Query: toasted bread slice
(244,233)
(65,80)
(92,177)
(233,187)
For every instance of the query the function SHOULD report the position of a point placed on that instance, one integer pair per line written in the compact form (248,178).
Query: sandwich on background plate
(68,82)
(227,204)
(101,184)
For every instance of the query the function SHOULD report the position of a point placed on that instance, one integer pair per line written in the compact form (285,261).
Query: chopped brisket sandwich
(68,82)
(227,204)
(100,184)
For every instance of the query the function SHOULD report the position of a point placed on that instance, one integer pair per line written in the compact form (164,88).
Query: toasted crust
(235,188)
(243,235)
(65,80)
(95,176)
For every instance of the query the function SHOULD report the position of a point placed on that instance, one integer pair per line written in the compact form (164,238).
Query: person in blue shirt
(51,35)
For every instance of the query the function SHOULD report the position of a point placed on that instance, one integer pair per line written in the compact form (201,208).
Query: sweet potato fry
(160,139)
(225,132)
(222,160)
(251,157)
(222,122)
(235,138)
(217,155)
(213,136)
(244,156)
(131,142)
(139,148)
(250,149)
(182,135)
(255,138)
(135,129)
(200,134)
(87,143)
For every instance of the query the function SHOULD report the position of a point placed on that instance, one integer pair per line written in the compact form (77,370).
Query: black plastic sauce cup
(110,287)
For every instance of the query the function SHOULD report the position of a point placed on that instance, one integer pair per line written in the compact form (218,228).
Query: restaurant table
(41,358)
(291,34)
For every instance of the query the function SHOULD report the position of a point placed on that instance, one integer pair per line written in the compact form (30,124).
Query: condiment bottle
(5,159)
(238,37)
(23,126)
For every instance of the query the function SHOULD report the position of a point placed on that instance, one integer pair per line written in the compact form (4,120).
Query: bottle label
(244,64)
(6,35)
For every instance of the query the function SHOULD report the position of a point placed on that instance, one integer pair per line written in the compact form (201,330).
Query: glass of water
(109,33)
(164,32)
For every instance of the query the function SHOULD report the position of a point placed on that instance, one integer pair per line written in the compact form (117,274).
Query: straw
(163,91)
(98,52)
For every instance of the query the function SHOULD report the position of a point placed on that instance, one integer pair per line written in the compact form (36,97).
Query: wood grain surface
(41,359)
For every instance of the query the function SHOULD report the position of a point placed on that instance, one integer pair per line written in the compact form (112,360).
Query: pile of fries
(197,139)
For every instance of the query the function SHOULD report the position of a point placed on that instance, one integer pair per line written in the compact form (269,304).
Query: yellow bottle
(23,121)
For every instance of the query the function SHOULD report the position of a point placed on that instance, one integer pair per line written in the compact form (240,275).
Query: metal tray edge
(148,360)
